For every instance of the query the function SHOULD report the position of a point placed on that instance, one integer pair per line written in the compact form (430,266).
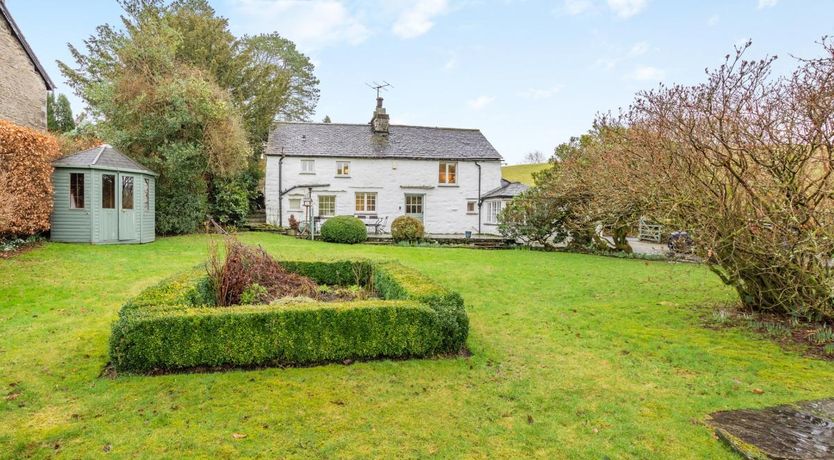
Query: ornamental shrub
(172,325)
(344,229)
(407,228)
(26,157)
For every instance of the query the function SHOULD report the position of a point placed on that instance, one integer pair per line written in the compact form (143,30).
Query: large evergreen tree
(59,114)
(175,89)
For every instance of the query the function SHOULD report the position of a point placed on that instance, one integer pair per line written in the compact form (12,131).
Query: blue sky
(530,74)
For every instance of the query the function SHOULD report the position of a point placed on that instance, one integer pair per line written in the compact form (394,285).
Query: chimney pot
(379,122)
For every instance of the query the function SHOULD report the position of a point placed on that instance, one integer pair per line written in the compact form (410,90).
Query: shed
(101,196)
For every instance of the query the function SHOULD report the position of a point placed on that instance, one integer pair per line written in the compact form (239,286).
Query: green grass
(522,173)
(574,356)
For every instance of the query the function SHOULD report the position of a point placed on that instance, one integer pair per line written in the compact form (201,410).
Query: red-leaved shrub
(26,157)
(246,266)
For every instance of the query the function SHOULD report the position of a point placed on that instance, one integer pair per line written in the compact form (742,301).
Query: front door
(109,219)
(127,215)
(414,205)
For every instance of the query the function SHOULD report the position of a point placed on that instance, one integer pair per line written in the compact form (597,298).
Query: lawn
(573,356)
(522,173)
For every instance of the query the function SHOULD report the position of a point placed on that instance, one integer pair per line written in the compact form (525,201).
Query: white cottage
(378,172)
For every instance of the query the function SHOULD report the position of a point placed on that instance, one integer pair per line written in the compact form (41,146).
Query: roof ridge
(368,124)
(100,151)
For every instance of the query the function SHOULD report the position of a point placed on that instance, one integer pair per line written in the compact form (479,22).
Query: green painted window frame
(128,188)
(76,197)
(108,196)
(147,194)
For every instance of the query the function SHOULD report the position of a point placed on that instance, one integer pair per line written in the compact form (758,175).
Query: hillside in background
(522,173)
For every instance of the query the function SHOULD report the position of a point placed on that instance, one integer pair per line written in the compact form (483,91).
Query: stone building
(23,81)
(378,171)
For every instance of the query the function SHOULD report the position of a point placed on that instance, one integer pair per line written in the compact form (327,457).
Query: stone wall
(22,90)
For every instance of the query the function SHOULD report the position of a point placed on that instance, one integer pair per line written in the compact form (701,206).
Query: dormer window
(448,173)
(308,166)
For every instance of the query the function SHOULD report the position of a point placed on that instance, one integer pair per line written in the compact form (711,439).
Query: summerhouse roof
(101,157)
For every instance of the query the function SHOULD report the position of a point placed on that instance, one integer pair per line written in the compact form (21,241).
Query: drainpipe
(479,196)
(281,189)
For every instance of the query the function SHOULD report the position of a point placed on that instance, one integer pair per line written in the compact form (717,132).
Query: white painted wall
(445,206)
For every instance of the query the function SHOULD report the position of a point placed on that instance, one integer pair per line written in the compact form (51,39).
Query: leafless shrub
(744,162)
(245,266)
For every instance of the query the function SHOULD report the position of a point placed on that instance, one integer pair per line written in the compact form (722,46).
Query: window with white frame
(308,166)
(448,173)
(294,203)
(327,205)
(492,211)
(343,168)
(472,207)
(365,201)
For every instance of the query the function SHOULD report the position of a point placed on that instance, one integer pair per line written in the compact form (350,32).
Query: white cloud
(311,25)
(628,8)
(419,18)
(575,7)
(766,4)
(713,20)
(647,73)
(480,102)
(638,49)
(541,93)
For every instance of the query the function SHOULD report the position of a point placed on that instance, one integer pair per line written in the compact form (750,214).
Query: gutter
(281,194)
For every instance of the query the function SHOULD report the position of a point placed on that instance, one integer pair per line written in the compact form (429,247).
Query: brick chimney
(379,122)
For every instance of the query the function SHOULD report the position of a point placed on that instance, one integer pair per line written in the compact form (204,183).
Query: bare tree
(744,161)
(534,157)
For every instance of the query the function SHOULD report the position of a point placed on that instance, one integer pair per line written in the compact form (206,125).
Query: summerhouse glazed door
(127,201)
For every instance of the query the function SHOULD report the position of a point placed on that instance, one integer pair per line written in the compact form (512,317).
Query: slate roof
(101,157)
(506,190)
(4,12)
(359,141)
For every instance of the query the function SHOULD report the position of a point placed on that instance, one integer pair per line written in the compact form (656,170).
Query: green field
(573,356)
(522,173)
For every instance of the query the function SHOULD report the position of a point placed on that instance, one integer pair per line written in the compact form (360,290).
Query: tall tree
(302,94)
(59,117)
(177,90)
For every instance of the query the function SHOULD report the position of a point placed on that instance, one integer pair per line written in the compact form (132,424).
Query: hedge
(171,326)
(26,157)
(344,229)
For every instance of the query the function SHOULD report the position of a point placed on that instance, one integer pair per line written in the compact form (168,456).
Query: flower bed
(173,325)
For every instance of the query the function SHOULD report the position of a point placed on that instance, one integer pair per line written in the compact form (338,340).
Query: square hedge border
(170,327)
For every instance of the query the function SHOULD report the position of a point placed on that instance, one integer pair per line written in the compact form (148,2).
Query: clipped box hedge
(171,325)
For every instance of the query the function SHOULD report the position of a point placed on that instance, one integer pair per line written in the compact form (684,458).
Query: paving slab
(803,430)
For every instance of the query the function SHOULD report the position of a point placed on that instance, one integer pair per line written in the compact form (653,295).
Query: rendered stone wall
(445,205)
(22,90)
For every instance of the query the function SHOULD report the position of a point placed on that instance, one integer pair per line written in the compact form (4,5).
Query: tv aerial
(379,86)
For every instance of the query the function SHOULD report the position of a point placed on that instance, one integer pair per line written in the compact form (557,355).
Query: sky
(529,74)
